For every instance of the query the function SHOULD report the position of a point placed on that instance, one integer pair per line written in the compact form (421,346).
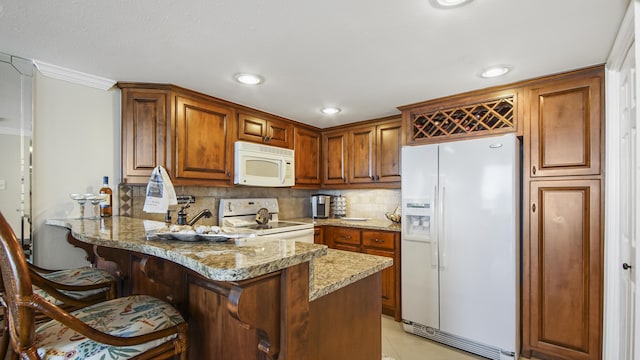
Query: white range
(242,214)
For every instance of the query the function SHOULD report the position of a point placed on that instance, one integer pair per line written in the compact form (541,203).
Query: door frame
(613,273)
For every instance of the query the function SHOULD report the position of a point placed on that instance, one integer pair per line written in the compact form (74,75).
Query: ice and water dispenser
(417,219)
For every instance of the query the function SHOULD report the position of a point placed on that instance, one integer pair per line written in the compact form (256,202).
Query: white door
(627,185)
(479,240)
(419,241)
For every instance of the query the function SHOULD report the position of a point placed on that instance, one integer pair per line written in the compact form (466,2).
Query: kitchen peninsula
(250,299)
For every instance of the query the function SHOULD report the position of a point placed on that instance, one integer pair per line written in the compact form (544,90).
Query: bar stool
(139,326)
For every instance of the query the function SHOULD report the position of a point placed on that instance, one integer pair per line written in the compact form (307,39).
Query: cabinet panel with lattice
(475,114)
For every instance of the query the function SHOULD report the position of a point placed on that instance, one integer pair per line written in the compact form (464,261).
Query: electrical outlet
(3,184)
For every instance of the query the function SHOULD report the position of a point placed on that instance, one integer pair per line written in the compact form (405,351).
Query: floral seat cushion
(79,276)
(127,316)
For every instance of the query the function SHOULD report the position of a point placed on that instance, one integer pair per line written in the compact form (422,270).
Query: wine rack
(492,116)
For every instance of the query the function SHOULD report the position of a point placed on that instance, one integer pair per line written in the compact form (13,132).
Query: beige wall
(76,141)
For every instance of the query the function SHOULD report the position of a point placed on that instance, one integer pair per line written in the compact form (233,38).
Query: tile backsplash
(294,203)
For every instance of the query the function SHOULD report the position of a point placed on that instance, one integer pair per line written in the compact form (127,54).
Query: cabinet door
(334,150)
(565,127)
(388,149)
(362,150)
(145,134)
(268,131)
(251,128)
(205,149)
(334,235)
(389,299)
(318,235)
(307,151)
(279,133)
(379,239)
(563,317)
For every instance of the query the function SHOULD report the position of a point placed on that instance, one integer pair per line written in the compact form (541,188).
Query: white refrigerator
(460,244)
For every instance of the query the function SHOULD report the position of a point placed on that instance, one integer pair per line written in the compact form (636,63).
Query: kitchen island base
(269,316)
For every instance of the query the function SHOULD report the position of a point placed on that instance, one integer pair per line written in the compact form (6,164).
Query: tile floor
(401,345)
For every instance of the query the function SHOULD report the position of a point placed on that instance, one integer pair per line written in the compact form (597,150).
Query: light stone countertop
(329,270)
(340,268)
(371,224)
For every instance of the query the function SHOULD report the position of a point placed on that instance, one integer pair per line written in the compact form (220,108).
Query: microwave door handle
(283,170)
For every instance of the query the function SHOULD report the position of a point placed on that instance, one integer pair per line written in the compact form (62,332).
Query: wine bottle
(105,204)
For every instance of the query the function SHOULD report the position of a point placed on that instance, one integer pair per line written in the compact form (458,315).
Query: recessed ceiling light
(248,79)
(330,110)
(495,71)
(449,3)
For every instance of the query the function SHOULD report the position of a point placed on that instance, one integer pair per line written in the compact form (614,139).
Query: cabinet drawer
(384,240)
(345,235)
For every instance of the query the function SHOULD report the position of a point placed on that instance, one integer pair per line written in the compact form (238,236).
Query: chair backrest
(17,285)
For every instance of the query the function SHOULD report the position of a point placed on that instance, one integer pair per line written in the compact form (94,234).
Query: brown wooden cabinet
(146,133)
(204,140)
(265,130)
(373,242)
(308,150)
(334,150)
(318,235)
(563,214)
(565,120)
(564,296)
(363,155)
(375,153)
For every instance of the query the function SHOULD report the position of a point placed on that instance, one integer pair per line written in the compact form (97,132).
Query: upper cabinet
(375,153)
(334,151)
(364,155)
(265,130)
(204,140)
(308,150)
(188,133)
(146,132)
(565,127)
(480,113)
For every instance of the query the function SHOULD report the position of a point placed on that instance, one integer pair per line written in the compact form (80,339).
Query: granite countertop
(371,224)
(329,269)
(338,269)
(226,261)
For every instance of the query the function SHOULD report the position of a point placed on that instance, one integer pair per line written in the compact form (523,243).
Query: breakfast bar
(246,298)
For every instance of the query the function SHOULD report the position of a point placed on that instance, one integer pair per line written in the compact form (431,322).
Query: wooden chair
(134,327)
(70,289)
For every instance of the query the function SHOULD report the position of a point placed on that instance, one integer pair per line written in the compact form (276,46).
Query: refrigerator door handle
(434,229)
(443,258)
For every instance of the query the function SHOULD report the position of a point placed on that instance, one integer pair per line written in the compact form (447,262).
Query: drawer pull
(378,240)
(346,236)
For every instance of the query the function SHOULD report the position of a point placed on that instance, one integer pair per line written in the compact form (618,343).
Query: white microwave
(263,165)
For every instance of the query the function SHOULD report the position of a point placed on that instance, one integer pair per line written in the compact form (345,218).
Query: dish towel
(160,192)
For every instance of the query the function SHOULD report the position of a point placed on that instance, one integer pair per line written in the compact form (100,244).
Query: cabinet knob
(346,236)
(533,169)
(228,174)
(626,266)
(533,207)
(373,178)
(377,177)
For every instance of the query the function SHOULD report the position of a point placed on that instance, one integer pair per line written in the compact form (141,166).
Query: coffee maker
(320,206)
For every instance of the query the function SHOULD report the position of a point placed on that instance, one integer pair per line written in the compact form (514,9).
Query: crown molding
(73,76)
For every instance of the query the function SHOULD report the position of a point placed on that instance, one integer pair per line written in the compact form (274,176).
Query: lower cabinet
(373,242)
(563,266)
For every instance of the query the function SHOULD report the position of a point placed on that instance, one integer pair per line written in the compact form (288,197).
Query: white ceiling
(364,56)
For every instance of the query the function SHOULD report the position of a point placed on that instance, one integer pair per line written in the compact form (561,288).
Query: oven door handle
(289,234)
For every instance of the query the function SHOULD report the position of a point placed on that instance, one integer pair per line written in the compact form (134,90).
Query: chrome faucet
(203,213)
(182,216)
